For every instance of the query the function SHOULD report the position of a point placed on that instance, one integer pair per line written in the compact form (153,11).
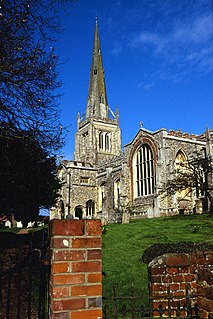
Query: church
(104,181)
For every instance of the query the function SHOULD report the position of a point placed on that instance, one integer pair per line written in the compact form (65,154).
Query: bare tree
(195,174)
(28,69)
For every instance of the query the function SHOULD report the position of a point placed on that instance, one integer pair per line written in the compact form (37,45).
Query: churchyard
(124,245)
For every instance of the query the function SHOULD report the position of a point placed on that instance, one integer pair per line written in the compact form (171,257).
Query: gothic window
(101,141)
(181,167)
(104,141)
(180,161)
(90,208)
(117,193)
(107,142)
(101,196)
(144,171)
(78,212)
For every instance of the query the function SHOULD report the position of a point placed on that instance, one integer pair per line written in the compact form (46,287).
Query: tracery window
(144,171)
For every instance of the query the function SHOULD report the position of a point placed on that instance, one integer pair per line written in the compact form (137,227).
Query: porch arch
(79,211)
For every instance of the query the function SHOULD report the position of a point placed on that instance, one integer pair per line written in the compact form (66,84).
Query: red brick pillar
(76,269)
(205,283)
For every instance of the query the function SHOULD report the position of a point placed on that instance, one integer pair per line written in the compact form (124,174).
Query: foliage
(28,69)
(181,247)
(123,246)
(28,177)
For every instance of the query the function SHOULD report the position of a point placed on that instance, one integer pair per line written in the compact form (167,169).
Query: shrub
(182,247)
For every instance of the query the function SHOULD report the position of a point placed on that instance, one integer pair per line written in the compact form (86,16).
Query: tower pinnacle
(97,105)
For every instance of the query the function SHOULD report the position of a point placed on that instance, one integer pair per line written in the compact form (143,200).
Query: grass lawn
(16,230)
(123,246)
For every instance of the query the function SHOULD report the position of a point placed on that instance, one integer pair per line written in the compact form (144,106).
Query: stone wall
(75,191)
(81,180)
(175,277)
(76,269)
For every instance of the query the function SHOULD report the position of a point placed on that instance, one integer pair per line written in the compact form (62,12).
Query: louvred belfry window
(104,141)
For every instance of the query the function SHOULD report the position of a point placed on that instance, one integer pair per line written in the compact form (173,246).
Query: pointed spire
(97,105)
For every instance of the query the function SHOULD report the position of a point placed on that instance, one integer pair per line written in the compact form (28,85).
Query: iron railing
(24,277)
(132,307)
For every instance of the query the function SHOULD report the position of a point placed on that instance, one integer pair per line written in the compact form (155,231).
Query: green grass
(123,246)
(16,230)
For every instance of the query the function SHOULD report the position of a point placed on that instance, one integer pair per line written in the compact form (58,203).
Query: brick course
(179,275)
(76,269)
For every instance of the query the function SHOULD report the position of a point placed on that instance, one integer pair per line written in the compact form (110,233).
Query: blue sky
(158,61)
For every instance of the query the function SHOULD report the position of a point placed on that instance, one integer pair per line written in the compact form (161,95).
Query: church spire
(97,105)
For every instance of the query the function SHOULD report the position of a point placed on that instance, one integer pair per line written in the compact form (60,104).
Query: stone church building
(104,182)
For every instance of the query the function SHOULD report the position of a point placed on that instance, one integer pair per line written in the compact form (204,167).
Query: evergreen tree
(28,177)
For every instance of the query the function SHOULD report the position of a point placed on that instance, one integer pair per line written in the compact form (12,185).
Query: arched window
(104,141)
(101,196)
(90,208)
(144,171)
(101,141)
(181,167)
(78,212)
(180,161)
(107,142)
(117,193)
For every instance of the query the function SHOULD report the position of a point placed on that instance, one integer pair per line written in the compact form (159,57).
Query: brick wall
(76,269)
(205,285)
(175,277)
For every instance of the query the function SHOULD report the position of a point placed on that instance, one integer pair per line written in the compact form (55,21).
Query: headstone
(125,218)
(150,212)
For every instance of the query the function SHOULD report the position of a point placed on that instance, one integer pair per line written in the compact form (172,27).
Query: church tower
(98,134)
